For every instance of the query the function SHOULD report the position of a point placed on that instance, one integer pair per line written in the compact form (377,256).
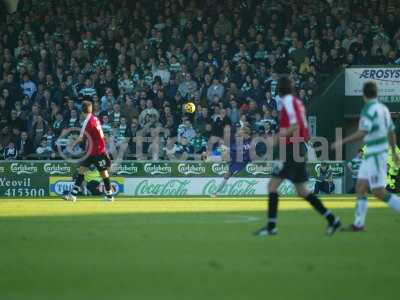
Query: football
(190,107)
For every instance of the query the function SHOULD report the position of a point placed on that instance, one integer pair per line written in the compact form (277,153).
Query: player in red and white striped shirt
(96,146)
(294,134)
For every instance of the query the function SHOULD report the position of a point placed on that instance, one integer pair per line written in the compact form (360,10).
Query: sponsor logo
(157,169)
(191,169)
(115,187)
(381,74)
(124,169)
(23,168)
(389,99)
(219,169)
(336,169)
(288,189)
(237,188)
(174,187)
(57,168)
(25,182)
(259,169)
(60,187)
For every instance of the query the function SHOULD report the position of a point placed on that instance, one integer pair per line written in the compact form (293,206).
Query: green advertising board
(24,186)
(33,178)
(152,169)
(205,169)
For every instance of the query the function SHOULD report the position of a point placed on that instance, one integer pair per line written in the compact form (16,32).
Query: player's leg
(227,175)
(378,182)
(107,185)
(273,201)
(361,189)
(391,199)
(80,177)
(299,178)
(103,163)
(361,209)
(234,168)
(316,203)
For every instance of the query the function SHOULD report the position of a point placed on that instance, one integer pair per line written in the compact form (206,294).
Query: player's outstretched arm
(356,136)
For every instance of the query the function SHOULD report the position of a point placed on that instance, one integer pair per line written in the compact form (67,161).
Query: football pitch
(192,249)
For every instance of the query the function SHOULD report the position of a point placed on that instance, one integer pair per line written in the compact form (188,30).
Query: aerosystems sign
(387,79)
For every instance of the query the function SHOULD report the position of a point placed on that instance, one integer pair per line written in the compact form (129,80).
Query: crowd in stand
(141,61)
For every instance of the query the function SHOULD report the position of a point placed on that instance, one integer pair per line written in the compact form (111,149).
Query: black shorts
(102,162)
(291,168)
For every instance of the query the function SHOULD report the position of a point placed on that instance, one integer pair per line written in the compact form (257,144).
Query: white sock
(221,186)
(393,201)
(361,211)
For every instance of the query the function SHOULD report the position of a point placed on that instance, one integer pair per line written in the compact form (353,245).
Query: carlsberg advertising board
(33,179)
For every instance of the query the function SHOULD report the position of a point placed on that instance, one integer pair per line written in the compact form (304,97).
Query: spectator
(324,181)
(28,87)
(299,53)
(199,144)
(10,152)
(215,90)
(107,100)
(186,132)
(305,67)
(126,84)
(148,110)
(16,122)
(163,73)
(187,87)
(88,89)
(269,101)
(219,121)
(5,137)
(59,124)
(223,26)
(44,151)
(39,130)
(233,112)
(24,146)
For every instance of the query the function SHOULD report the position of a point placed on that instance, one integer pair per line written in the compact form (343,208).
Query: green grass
(192,249)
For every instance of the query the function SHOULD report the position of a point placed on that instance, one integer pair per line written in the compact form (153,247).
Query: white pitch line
(243,219)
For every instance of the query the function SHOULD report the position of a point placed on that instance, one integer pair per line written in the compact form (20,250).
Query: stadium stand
(141,61)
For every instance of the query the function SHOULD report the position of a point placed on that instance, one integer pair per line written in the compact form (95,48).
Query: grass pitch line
(62,208)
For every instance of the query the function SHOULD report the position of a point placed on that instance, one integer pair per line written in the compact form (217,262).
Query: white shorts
(374,170)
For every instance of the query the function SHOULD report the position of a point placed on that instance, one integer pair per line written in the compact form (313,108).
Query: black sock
(107,185)
(319,207)
(77,185)
(272,210)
